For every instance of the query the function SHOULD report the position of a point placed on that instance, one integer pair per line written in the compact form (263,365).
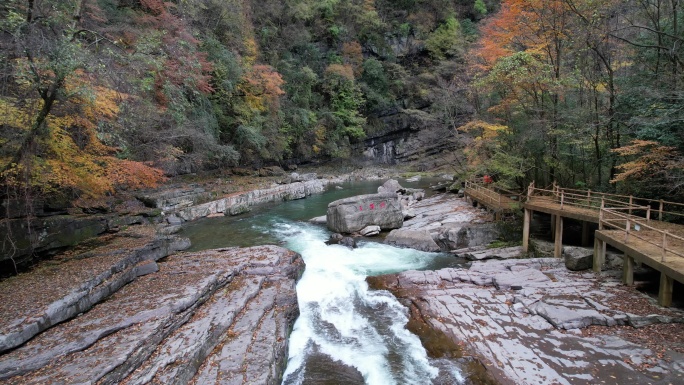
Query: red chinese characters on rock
(373,206)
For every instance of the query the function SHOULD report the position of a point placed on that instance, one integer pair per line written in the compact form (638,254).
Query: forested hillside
(100,95)
(586,93)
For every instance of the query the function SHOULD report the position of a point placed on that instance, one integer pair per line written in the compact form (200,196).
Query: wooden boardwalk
(496,199)
(640,231)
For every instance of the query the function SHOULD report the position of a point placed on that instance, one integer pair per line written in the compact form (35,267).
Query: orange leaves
(649,158)
(260,85)
(522,25)
(484,130)
(499,34)
(353,56)
(344,71)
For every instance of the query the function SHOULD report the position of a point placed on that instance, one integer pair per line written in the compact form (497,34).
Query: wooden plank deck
(647,251)
(627,226)
(548,206)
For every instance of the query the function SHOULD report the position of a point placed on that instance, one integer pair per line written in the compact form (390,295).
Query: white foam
(347,321)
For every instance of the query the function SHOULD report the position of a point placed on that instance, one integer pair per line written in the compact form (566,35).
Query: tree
(54,104)
(651,169)
(343,122)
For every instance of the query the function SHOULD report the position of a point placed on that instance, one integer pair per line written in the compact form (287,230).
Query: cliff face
(413,137)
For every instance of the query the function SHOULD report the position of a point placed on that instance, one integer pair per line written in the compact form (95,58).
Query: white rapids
(342,318)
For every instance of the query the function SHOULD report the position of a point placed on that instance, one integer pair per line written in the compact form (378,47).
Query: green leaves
(446,40)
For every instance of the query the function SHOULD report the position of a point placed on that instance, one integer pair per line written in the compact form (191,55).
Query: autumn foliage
(70,157)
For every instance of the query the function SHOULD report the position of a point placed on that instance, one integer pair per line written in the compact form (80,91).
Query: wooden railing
(490,194)
(593,200)
(577,198)
(643,228)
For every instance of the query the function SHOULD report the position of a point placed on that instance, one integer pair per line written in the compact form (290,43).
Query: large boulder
(453,236)
(370,231)
(414,239)
(391,186)
(578,258)
(353,214)
(348,242)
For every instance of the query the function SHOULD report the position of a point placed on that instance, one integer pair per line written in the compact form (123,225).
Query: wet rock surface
(532,321)
(578,258)
(217,316)
(414,239)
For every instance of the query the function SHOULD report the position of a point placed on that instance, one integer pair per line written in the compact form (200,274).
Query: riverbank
(185,198)
(133,311)
(532,321)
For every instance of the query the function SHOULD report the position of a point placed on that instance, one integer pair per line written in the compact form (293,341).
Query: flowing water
(343,324)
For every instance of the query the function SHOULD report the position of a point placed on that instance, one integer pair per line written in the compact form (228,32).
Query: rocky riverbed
(532,321)
(126,312)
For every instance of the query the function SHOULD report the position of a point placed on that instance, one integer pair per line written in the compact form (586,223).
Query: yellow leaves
(484,148)
(251,51)
(106,103)
(483,130)
(96,101)
(68,157)
(320,134)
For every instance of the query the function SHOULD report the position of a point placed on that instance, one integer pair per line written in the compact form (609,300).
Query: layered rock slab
(72,283)
(450,221)
(527,331)
(166,326)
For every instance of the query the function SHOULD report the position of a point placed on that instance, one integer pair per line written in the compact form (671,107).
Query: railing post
(664,246)
(589,198)
(601,214)
(530,190)
(660,211)
(648,213)
(562,197)
(627,229)
(631,198)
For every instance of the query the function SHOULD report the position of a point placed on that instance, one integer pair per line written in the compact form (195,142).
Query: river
(340,319)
